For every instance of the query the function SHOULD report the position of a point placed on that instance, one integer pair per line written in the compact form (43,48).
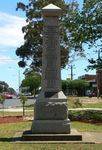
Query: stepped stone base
(51,126)
(51,114)
(73,136)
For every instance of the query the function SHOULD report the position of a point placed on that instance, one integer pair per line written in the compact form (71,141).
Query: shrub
(23,100)
(86,115)
(77,103)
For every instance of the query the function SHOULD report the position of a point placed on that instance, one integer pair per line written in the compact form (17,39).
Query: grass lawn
(7,131)
(27,113)
(85,104)
(92,105)
(87,127)
(9,146)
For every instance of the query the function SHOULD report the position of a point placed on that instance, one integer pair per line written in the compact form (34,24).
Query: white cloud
(11,30)
(6,60)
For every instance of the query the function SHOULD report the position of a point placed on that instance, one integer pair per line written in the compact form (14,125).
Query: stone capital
(51,11)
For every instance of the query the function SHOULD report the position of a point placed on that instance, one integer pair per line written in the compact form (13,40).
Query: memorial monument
(50,113)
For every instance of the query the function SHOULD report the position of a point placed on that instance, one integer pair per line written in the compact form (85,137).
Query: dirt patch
(11,119)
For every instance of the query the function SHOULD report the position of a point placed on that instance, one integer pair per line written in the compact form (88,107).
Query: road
(16,103)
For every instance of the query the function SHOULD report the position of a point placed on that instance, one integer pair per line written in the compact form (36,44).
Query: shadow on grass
(14,139)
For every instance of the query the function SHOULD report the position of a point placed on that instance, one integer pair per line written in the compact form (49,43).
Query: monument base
(51,126)
(51,114)
(73,136)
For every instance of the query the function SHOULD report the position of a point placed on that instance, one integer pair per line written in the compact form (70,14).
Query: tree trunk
(23,110)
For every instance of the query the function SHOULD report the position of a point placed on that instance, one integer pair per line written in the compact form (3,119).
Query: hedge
(86,115)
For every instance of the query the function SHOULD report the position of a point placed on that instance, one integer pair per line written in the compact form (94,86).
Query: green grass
(86,127)
(27,113)
(51,146)
(7,131)
(11,128)
(71,100)
(92,105)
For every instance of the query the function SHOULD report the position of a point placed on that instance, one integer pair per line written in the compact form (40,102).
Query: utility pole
(71,72)
(19,80)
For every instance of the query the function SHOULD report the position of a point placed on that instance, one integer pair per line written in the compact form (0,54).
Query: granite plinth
(73,136)
(48,110)
(51,126)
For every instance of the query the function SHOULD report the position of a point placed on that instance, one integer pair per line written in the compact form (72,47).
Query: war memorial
(50,111)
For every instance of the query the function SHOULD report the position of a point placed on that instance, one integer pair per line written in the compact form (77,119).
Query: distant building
(92,80)
(88,77)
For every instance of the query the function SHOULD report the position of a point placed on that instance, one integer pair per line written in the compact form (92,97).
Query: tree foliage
(76,28)
(95,64)
(92,20)
(4,87)
(11,90)
(33,81)
(2,99)
(75,86)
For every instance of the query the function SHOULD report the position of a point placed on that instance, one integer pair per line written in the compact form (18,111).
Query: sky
(11,37)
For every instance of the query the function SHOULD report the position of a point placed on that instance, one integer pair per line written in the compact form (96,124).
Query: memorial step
(74,136)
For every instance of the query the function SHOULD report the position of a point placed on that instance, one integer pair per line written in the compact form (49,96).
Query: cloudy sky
(11,37)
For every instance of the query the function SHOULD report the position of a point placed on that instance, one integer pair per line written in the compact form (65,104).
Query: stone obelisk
(50,112)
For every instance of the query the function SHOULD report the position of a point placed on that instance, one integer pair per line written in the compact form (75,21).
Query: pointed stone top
(51,10)
(51,6)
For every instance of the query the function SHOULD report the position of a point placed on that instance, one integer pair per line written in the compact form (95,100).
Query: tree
(23,100)
(91,21)
(11,90)
(64,85)
(33,81)
(80,86)
(76,28)
(3,86)
(77,86)
(94,64)
(2,100)
(32,47)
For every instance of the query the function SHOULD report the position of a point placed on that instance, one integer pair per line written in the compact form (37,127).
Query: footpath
(20,109)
